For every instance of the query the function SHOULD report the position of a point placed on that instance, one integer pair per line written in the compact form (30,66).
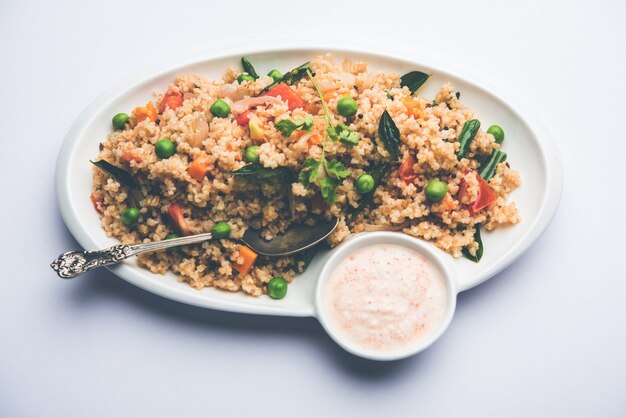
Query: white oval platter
(529,147)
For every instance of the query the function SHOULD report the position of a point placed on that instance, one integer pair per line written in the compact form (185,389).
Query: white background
(546,337)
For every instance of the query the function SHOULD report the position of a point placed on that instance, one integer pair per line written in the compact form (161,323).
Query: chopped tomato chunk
(405,172)
(287,95)
(171,99)
(98,205)
(249,257)
(243,118)
(486,195)
(177,216)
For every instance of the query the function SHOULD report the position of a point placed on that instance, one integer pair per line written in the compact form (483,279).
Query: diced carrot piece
(287,95)
(171,99)
(413,107)
(198,168)
(129,156)
(249,257)
(330,94)
(98,205)
(146,112)
(405,172)
(177,216)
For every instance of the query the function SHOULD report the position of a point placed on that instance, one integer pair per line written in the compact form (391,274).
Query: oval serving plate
(529,147)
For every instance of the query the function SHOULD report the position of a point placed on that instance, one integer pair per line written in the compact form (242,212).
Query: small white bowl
(376,238)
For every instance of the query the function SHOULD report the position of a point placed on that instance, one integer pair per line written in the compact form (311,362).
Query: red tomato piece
(171,99)
(405,172)
(287,95)
(486,196)
(97,203)
(243,118)
(177,216)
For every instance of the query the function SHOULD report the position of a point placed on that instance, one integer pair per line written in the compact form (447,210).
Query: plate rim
(373,46)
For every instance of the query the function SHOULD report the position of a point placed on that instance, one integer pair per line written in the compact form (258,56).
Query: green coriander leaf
(327,187)
(310,169)
(286,127)
(305,124)
(349,137)
(332,133)
(336,169)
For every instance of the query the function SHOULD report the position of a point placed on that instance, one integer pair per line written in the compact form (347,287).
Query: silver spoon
(297,238)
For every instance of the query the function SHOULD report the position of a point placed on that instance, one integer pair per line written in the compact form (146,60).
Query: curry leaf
(124,177)
(413,80)
(282,175)
(389,134)
(258,172)
(248,68)
(306,256)
(295,75)
(292,77)
(479,251)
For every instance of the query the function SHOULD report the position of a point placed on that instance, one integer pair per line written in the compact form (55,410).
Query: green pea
(364,183)
(220,109)
(252,154)
(277,288)
(119,121)
(435,190)
(497,132)
(275,74)
(346,106)
(130,216)
(220,230)
(244,77)
(165,148)
(172,236)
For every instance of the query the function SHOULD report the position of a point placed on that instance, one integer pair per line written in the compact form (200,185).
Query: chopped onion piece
(244,104)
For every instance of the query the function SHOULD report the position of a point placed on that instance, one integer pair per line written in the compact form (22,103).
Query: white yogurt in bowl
(385,295)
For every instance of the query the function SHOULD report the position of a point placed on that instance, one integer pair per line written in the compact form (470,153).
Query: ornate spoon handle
(73,263)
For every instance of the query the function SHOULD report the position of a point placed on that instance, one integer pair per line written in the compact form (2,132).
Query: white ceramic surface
(529,147)
(359,241)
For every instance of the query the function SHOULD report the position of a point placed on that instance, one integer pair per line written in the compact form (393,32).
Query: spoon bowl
(297,238)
